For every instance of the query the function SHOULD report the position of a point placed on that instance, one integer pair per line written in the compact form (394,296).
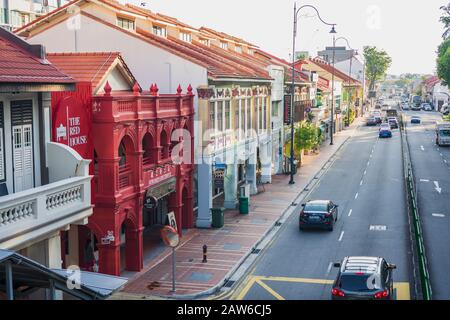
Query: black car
(364,278)
(318,214)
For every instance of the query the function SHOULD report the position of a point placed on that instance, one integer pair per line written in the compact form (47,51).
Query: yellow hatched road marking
(270,290)
(403,288)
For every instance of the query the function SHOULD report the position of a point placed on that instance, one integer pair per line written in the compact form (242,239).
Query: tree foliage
(445,19)
(306,137)
(377,64)
(443,61)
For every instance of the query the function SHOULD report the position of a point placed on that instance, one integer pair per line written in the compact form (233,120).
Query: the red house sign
(71,125)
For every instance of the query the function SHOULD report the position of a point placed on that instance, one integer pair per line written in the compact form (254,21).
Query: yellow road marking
(403,292)
(403,288)
(270,290)
(241,295)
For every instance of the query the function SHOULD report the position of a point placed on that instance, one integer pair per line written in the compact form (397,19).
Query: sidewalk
(232,243)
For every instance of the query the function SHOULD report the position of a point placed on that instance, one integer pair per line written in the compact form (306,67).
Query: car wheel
(301,228)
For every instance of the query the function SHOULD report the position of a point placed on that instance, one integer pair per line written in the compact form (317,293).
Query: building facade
(45,186)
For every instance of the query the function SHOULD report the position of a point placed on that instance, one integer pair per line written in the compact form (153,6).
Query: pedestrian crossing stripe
(402,288)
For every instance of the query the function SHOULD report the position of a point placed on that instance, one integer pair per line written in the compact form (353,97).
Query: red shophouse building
(136,182)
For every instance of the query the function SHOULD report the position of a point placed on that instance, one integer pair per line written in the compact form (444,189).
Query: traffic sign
(172,220)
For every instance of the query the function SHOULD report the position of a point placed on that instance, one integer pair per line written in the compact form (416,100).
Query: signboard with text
(287,108)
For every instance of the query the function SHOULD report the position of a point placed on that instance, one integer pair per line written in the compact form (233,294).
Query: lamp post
(349,72)
(296,11)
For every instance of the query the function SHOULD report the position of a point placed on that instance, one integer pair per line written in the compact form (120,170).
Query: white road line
(361,183)
(421,147)
(445,161)
(329,268)
(356,196)
(438,215)
(350,212)
(365,172)
(437,188)
(342,235)
(368,163)
(424,180)
(441,154)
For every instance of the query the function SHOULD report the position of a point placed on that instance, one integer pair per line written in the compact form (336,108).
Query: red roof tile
(18,65)
(88,66)
(329,68)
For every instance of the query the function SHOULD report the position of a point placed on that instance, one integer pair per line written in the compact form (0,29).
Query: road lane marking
(421,147)
(350,212)
(356,196)
(342,235)
(424,180)
(445,161)
(329,268)
(437,188)
(250,282)
(438,215)
(377,228)
(270,290)
(365,172)
(361,183)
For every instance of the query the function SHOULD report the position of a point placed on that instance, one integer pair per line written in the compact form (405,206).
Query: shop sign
(71,125)
(172,220)
(287,108)
(219,176)
(161,174)
(108,238)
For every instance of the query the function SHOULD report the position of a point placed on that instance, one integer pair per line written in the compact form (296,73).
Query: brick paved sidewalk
(229,245)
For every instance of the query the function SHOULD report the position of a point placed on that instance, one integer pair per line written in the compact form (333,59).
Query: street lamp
(349,72)
(296,11)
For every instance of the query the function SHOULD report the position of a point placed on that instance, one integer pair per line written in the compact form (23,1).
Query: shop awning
(162,189)
(20,276)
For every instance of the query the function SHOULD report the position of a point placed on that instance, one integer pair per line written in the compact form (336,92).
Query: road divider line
(365,172)
(424,180)
(361,183)
(350,212)
(421,147)
(356,196)
(329,268)
(438,215)
(342,235)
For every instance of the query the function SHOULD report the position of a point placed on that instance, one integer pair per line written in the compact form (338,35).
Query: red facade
(132,140)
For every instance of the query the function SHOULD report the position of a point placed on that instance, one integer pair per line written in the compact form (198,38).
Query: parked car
(371,121)
(364,278)
(416,120)
(445,109)
(377,116)
(405,106)
(319,214)
(393,123)
(385,131)
(426,107)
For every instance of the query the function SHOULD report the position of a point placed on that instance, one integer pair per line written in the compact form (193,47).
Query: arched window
(122,154)
(148,149)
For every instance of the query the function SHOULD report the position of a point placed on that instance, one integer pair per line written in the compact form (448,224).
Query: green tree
(305,137)
(445,19)
(377,64)
(443,61)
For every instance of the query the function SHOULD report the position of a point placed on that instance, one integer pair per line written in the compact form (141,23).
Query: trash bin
(217,217)
(243,205)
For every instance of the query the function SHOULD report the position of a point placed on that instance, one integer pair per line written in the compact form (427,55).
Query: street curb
(229,275)
(241,261)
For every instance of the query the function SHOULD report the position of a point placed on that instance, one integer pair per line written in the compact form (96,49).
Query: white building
(45,187)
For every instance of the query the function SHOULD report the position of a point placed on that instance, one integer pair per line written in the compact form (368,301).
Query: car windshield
(444,133)
(354,282)
(319,207)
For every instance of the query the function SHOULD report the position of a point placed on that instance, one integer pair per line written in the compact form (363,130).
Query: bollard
(205,253)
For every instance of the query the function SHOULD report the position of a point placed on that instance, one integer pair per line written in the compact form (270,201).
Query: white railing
(43,209)
(32,214)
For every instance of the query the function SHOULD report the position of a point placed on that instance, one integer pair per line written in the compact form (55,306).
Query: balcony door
(22,143)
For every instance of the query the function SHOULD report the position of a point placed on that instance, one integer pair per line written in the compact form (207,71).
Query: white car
(426,107)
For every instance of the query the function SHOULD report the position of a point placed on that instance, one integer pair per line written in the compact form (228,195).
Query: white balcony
(34,214)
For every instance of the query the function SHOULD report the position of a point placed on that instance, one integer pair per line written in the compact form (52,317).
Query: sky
(408,30)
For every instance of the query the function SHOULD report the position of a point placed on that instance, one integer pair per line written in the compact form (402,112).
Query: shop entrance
(156,207)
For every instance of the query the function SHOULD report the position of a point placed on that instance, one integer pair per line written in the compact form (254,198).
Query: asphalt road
(366,181)
(431,168)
